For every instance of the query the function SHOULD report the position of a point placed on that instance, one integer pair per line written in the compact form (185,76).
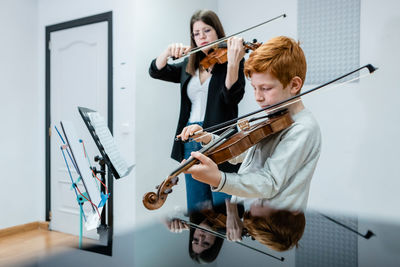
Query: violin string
(269,111)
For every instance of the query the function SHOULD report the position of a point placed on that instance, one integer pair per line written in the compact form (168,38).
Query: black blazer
(222,104)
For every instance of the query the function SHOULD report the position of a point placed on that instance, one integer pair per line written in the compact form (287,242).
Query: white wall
(357,169)
(21,200)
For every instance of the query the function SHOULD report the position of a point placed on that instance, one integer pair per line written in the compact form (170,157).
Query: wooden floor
(25,245)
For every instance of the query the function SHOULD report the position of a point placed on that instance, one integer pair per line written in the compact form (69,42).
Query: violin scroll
(153,201)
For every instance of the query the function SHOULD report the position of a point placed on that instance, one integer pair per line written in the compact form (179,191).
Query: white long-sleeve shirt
(280,167)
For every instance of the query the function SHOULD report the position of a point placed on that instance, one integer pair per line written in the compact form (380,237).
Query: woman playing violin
(208,97)
(280,167)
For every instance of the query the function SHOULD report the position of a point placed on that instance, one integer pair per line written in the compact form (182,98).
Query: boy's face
(261,208)
(268,90)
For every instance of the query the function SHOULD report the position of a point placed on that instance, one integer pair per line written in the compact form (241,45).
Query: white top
(197,94)
(280,167)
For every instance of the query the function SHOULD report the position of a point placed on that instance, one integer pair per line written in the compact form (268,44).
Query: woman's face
(202,240)
(203,34)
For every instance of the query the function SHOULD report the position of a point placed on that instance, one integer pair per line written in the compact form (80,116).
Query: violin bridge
(243,124)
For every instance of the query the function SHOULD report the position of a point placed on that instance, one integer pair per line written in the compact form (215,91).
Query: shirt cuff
(221,183)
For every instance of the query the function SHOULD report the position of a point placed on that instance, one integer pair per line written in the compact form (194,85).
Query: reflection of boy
(278,229)
(280,167)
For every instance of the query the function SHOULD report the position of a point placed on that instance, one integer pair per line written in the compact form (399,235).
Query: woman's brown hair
(210,18)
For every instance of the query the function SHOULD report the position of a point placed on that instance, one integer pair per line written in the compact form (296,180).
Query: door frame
(103,17)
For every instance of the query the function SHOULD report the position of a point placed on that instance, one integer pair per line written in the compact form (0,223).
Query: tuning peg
(175,180)
(168,191)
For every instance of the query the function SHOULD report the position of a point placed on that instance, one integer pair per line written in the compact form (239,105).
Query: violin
(220,235)
(230,144)
(220,54)
(224,39)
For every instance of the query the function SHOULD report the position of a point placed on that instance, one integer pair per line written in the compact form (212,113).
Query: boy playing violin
(280,167)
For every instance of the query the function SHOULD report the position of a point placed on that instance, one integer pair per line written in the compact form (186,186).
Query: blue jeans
(198,193)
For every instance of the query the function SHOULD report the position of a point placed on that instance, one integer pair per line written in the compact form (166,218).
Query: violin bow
(367,235)
(197,49)
(288,101)
(193,225)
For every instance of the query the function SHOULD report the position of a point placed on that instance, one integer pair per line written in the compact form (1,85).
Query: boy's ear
(296,84)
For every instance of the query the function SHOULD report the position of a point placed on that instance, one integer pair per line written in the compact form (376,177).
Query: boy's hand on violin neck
(234,228)
(206,171)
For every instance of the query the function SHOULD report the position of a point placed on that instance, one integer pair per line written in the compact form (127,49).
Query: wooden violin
(224,39)
(229,145)
(219,55)
(222,220)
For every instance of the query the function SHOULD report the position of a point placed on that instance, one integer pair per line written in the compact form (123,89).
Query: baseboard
(23,228)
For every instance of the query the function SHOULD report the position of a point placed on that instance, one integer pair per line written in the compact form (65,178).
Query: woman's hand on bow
(176,225)
(175,50)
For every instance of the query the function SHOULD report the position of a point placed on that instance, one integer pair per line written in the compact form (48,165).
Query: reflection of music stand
(111,157)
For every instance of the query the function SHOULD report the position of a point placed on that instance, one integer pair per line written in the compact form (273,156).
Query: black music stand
(117,167)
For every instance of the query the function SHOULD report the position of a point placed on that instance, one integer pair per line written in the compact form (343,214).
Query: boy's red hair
(281,56)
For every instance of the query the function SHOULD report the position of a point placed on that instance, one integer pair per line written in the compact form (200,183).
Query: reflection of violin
(217,234)
(220,54)
(229,145)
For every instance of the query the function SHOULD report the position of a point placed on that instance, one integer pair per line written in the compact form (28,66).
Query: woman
(208,97)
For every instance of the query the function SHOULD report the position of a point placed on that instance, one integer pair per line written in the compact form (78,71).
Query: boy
(280,167)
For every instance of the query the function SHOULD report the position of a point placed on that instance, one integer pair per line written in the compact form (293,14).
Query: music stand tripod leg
(81,200)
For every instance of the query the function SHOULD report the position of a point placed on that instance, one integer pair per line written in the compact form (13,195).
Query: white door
(78,69)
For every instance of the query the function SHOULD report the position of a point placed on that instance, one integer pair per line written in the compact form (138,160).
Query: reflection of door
(78,77)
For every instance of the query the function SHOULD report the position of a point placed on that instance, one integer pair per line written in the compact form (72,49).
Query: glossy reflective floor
(328,240)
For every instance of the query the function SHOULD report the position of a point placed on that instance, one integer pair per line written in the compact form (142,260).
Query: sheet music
(108,143)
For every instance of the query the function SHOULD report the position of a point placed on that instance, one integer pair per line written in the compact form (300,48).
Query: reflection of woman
(207,97)
(204,247)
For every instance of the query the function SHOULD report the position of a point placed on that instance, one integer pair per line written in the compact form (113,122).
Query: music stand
(111,157)
(105,142)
